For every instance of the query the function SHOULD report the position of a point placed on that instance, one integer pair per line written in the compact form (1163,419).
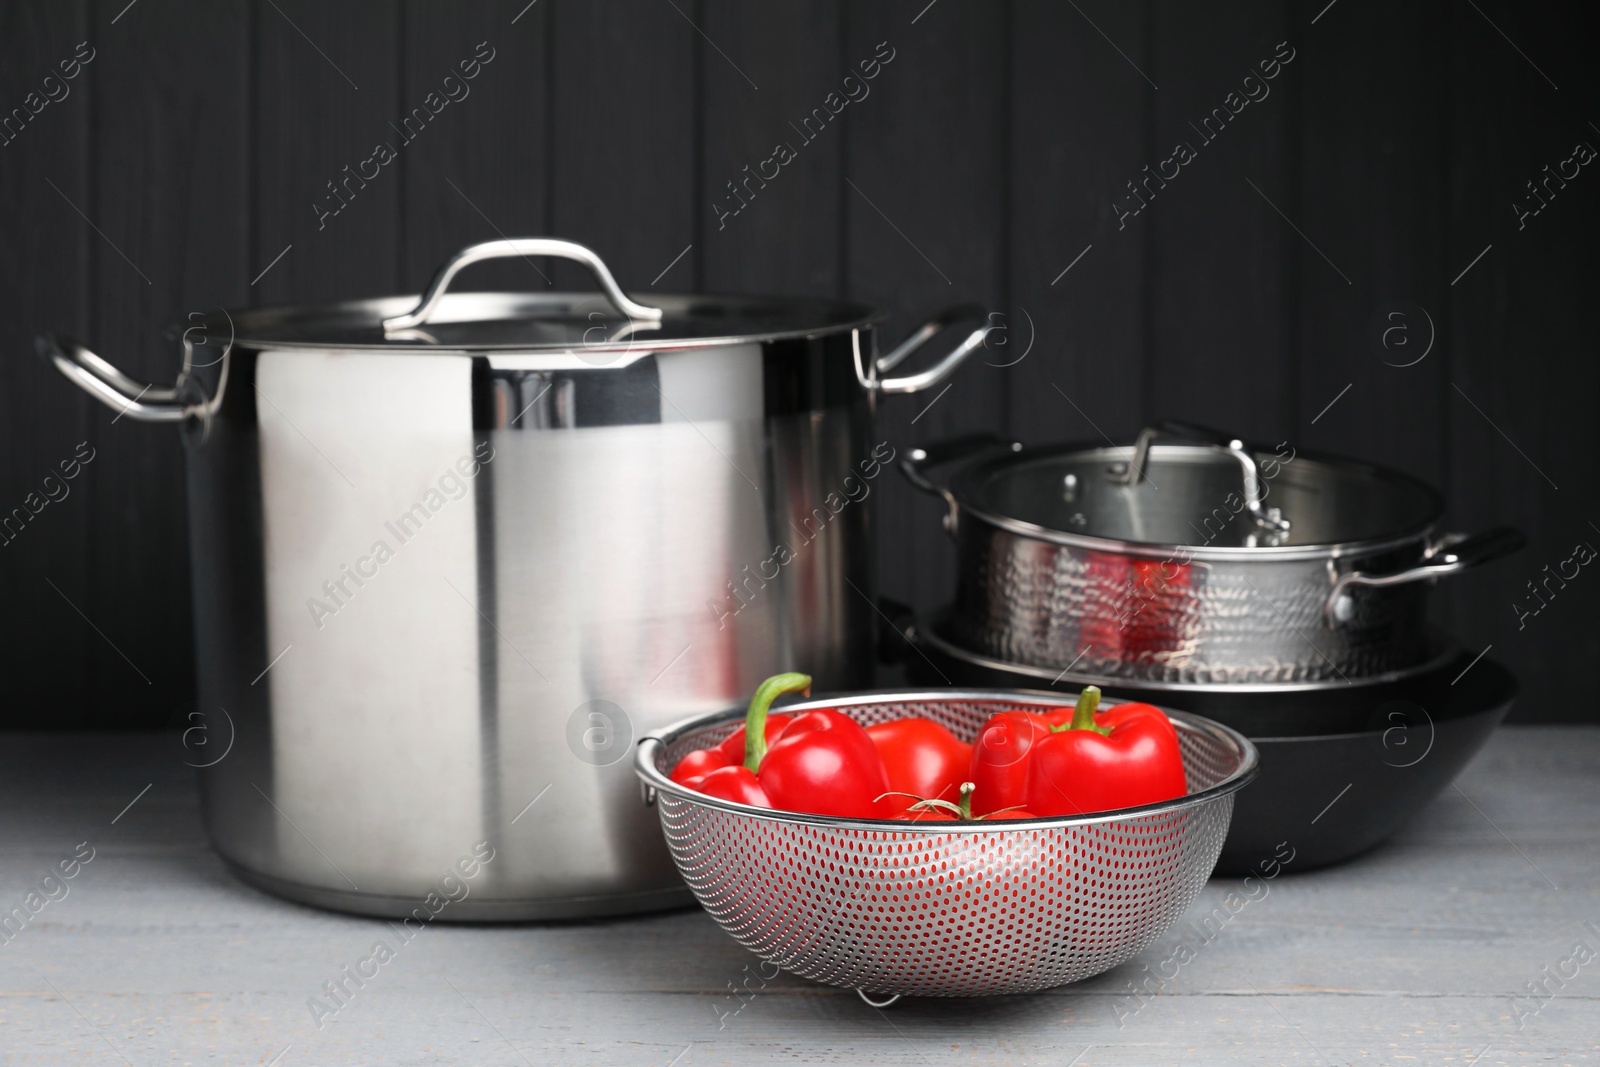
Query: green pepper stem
(927,804)
(962,811)
(1083,712)
(965,803)
(755,720)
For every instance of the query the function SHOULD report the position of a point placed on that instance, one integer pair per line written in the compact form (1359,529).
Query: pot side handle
(107,384)
(915,383)
(520,247)
(1453,554)
(917,465)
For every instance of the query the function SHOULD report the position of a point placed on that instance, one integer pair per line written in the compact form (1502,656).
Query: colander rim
(649,746)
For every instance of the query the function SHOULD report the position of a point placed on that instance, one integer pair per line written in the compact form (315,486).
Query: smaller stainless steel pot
(1165,563)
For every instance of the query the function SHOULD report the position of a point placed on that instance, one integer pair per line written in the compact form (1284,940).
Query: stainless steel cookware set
(453,555)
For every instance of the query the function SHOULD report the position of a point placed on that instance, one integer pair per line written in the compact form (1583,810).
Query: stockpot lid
(541,322)
(607,320)
(551,330)
(1195,497)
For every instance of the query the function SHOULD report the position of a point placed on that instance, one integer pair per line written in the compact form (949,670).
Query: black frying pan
(1342,766)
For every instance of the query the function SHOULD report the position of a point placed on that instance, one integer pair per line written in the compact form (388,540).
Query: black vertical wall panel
(1521,355)
(46,283)
(479,171)
(999,141)
(1373,152)
(623,154)
(764,67)
(925,206)
(328,94)
(172,130)
(1079,112)
(1222,262)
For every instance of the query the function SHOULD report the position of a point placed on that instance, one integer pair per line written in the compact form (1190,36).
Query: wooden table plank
(1410,954)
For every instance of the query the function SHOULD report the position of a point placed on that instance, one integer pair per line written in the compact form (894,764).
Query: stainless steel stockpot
(453,555)
(1165,562)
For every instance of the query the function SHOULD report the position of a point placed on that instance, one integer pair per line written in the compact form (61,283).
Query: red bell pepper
(734,747)
(733,783)
(820,762)
(823,763)
(730,753)
(697,764)
(1126,756)
(922,759)
(999,768)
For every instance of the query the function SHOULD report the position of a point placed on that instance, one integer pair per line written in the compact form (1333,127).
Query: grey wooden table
(1414,954)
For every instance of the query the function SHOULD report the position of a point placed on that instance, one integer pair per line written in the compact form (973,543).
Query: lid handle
(513,247)
(1271,518)
(916,466)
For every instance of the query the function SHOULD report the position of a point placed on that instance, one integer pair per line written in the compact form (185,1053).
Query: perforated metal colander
(946,909)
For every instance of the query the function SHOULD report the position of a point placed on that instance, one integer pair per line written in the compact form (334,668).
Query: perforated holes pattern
(952,914)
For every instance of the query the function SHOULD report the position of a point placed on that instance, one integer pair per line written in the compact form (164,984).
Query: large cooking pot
(1165,562)
(453,555)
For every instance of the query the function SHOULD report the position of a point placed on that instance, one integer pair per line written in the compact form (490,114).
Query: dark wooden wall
(988,157)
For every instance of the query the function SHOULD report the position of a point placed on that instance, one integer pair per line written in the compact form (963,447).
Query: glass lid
(1198,496)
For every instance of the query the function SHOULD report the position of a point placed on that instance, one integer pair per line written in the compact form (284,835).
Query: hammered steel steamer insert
(946,909)
(1205,562)
(565,488)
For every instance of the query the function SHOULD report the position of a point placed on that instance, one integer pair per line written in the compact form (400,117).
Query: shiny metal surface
(586,324)
(520,247)
(109,385)
(1170,580)
(528,569)
(930,632)
(947,909)
(868,371)
(439,589)
(546,321)
(1191,622)
(1191,497)
(1452,554)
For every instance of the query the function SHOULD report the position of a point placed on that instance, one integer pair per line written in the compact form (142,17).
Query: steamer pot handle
(519,247)
(1271,518)
(915,383)
(916,466)
(1450,555)
(107,384)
